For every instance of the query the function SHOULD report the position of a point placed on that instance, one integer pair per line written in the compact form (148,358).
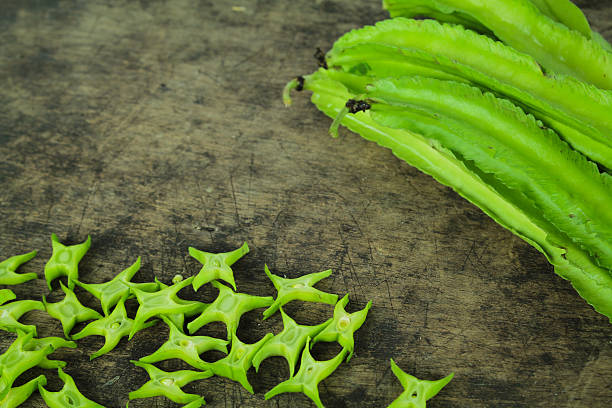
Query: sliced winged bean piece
(70,311)
(10,314)
(184,347)
(65,260)
(179,318)
(19,395)
(227,308)
(17,360)
(343,326)
(168,384)
(6,295)
(288,343)
(240,358)
(308,377)
(113,327)
(416,392)
(520,24)
(109,293)
(68,396)
(8,276)
(510,210)
(216,266)
(298,289)
(53,342)
(163,302)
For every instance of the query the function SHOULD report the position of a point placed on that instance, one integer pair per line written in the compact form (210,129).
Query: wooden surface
(158,125)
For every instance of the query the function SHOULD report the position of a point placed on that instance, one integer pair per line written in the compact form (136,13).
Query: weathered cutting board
(158,125)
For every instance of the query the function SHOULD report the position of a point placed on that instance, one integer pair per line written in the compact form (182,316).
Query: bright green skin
(68,396)
(216,266)
(227,308)
(112,327)
(298,289)
(239,360)
(308,377)
(19,395)
(186,348)
(8,276)
(70,311)
(520,24)
(402,47)
(168,384)
(179,318)
(288,343)
(54,343)
(343,326)
(65,260)
(510,210)
(111,292)
(12,312)
(17,359)
(416,392)
(164,302)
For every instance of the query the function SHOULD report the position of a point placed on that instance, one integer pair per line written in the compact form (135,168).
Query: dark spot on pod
(300,83)
(357,106)
(571,215)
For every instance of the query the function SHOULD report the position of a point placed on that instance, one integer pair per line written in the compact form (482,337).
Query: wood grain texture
(158,125)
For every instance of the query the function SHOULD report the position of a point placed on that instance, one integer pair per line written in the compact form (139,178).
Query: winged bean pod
(522,25)
(577,111)
(505,206)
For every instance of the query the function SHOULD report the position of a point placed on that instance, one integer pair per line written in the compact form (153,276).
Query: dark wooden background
(158,125)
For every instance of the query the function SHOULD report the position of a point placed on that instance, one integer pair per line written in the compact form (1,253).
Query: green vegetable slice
(6,295)
(17,359)
(69,311)
(168,384)
(298,289)
(227,308)
(186,348)
(343,326)
(308,377)
(416,392)
(163,302)
(46,342)
(520,24)
(401,47)
(8,276)
(288,343)
(65,260)
(68,396)
(19,395)
(109,293)
(11,313)
(112,327)
(240,358)
(216,266)
(179,318)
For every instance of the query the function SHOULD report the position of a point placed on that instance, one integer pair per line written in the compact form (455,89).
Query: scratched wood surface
(158,125)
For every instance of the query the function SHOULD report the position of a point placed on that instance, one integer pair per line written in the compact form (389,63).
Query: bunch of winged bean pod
(508,102)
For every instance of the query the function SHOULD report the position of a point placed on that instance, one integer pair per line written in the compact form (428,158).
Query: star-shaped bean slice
(19,395)
(216,266)
(416,392)
(163,302)
(227,308)
(65,260)
(113,327)
(168,384)
(8,276)
(308,377)
(288,343)
(68,396)
(109,293)
(17,359)
(179,318)
(236,364)
(6,295)
(298,289)
(70,311)
(10,313)
(343,326)
(45,343)
(186,348)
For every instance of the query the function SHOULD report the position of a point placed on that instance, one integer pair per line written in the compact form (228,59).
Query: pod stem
(295,83)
